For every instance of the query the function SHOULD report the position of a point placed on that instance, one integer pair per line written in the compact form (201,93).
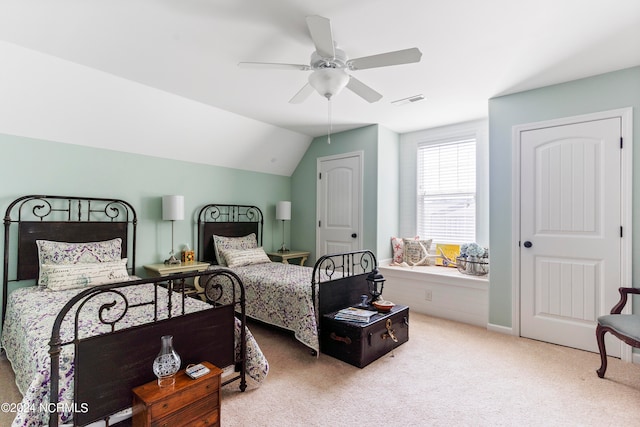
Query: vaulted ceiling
(149,76)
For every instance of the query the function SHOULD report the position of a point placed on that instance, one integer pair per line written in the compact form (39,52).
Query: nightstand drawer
(203,412)
(175,402)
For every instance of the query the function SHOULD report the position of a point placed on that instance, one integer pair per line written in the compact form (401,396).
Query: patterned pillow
(416,251)
(222,243)
(241,257)
(50,252)
(397,247)
(60,277)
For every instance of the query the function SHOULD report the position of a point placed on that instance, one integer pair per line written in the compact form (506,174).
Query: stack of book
(354,314)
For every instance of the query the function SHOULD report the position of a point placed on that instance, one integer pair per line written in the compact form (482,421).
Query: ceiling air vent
(409,100)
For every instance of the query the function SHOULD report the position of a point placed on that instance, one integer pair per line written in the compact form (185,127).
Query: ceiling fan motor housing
(338,61)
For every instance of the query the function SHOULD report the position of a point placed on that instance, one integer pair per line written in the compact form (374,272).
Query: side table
(284,257)
(187,403)
(162,269)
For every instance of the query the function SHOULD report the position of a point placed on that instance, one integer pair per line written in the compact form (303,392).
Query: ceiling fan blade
(397,57)
(302,94)
(362,90)
(320,30)
(274,66)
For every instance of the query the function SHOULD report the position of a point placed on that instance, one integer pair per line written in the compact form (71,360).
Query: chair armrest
(617,309)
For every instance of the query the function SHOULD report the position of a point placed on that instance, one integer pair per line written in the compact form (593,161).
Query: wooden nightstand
(162,269)
(188,402)
(284,257)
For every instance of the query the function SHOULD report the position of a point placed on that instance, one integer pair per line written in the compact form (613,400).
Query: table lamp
(283,213)
(172,210)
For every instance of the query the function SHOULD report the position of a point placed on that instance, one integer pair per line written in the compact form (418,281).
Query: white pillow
(416,251)
(239,258)
(59,277)
(222,243)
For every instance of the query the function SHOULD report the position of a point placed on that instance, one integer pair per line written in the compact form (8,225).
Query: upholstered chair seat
(625,327)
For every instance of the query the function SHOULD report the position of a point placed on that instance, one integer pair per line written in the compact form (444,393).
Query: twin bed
(77,350)
(291,297)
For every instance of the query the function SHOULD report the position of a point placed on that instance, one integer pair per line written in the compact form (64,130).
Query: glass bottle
(167,363)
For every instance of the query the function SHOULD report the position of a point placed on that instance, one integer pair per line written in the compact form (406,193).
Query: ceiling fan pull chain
(330,126)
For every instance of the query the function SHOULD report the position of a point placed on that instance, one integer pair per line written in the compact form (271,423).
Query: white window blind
(446,198)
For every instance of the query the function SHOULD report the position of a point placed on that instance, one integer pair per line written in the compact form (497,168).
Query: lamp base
(172,260)
(283,249)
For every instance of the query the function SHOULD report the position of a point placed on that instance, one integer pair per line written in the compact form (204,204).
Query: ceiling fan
(330,65)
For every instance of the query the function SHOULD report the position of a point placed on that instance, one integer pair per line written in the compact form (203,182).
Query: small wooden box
(188,402)
(360,344)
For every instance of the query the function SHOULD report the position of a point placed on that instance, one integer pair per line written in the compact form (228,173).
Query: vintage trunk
(360,344)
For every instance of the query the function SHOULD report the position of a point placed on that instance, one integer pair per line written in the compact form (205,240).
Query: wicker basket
(473,266)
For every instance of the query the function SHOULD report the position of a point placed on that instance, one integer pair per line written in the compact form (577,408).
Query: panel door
(339,204)
(570,237)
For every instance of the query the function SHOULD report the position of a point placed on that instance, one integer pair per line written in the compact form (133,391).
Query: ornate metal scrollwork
(104,313)
(220,286)
(335,266)
(36,210)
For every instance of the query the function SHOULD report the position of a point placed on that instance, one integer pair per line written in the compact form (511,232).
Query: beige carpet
(448,374)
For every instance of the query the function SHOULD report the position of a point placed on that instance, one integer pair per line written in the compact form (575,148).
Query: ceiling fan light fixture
(328,81)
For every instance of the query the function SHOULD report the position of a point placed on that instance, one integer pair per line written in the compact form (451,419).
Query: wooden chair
(624,326)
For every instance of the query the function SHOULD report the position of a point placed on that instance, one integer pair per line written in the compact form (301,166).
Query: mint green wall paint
(303,186)
(33,166)
(388,197)
(609,91)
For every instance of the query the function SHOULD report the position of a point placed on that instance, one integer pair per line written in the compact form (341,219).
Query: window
(446,190)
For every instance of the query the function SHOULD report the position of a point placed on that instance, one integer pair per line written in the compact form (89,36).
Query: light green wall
(609,91)
(388,197)
(304,184)
(33,166)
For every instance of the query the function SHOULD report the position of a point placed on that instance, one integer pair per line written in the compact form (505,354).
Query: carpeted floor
(448,374)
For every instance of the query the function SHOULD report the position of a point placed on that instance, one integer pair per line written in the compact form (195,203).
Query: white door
(339,204)
(570,231)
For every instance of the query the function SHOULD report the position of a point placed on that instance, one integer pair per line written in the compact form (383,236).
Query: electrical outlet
(428,295)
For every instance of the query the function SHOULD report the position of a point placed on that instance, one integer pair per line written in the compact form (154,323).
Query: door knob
(528,244)
(354,235)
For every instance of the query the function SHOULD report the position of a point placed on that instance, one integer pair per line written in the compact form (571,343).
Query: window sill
(438,291)
(444,275)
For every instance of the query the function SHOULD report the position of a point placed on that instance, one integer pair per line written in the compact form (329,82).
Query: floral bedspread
(280,294)
(27,330)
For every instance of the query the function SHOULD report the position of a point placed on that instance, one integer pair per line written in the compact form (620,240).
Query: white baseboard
(499,328)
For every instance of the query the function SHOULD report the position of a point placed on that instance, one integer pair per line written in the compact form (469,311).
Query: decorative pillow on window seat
(397,247)
(416,252)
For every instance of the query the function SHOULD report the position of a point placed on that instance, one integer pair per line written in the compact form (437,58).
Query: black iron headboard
(64,219)
(228,221)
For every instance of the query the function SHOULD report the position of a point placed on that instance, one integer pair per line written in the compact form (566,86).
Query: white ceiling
(472,51)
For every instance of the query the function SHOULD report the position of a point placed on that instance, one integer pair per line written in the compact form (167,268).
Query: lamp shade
(328,81)
(283,210)
(172,208)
